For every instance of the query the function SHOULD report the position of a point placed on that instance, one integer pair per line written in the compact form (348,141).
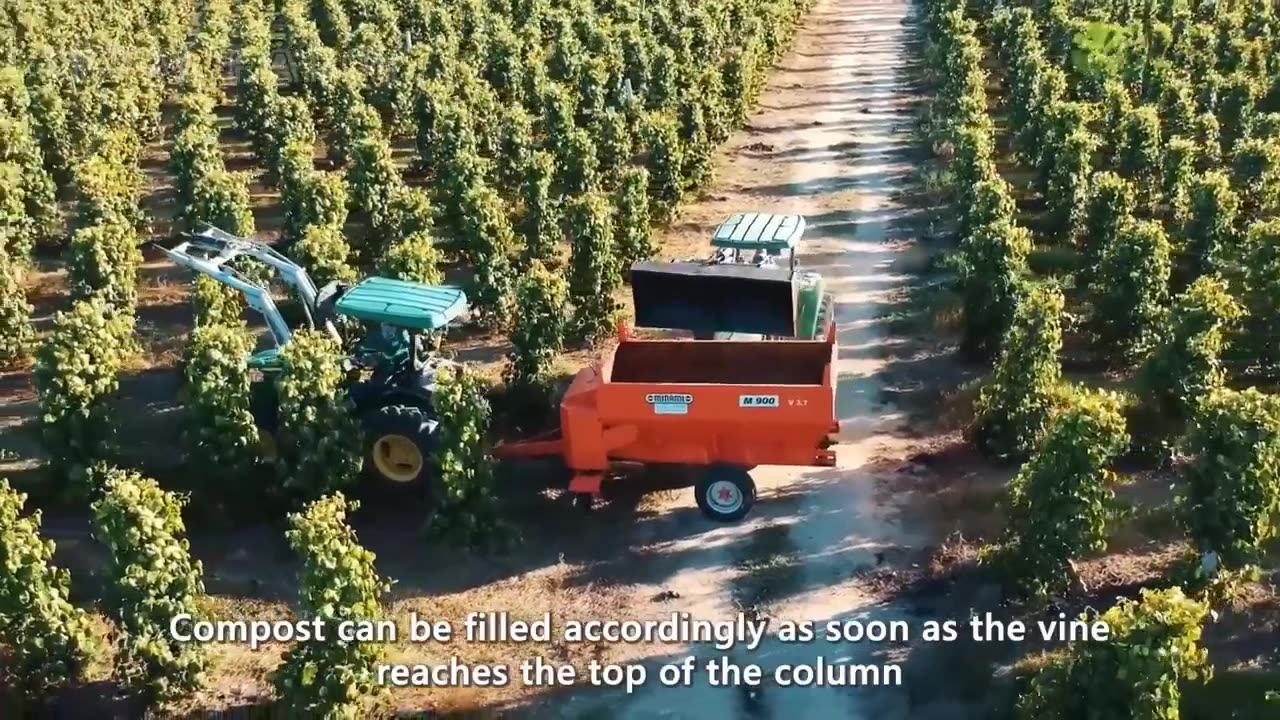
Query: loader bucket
(706,299)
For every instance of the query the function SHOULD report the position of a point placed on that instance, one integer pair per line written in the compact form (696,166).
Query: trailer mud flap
(706,299)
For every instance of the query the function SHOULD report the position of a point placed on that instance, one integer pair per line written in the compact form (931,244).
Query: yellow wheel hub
(267,445)
(397,458)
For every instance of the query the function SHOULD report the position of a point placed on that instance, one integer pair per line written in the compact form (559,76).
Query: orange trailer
(726,406)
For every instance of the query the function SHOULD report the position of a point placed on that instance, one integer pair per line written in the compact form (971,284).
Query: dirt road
(829,142)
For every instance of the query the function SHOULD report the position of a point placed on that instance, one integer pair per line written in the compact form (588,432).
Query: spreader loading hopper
(707,298)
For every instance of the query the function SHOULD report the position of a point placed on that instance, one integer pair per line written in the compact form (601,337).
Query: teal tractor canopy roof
(759,231)
(402,304)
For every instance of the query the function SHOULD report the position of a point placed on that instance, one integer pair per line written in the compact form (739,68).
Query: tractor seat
(326,298)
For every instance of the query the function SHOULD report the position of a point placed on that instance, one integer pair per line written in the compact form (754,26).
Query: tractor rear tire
(726,493)
(398,447)
(266,417)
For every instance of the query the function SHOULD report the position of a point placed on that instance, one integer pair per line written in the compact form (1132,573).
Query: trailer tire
(726,493)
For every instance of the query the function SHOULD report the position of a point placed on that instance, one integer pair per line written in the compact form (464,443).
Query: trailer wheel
(725,493)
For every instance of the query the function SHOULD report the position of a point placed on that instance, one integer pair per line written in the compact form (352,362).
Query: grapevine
(1229,495)
(541,299)
(467,513)
(594,273)
(16,334)
(338,583)
(1057,506)
(992,263)
(1110,207)
(1186,365)
(634,240)
(414,258)
(1135,675)
(76,380)
(1261,297)
(1131,291)
(320,440)
(489,239)
(540,224)
(50,639)
(324,252)
(220,435)
(1013,410)
(151,578)
(216,304)
(102,262)
(1210,234)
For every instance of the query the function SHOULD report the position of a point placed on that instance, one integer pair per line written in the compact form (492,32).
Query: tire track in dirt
(830,142)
